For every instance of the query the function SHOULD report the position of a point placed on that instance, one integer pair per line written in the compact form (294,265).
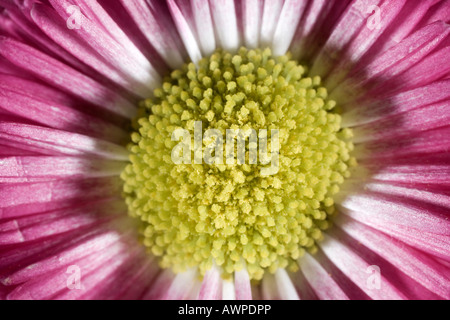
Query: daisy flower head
(224,149)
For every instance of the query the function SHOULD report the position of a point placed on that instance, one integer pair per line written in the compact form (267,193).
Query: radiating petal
(287,24)
(242,285)
(355,268)
(412,263)
(188,34)
(41,168)
(204,25)
(225,21)
(324,286)
(211,288)
(252,19)
(56,142)
(154,22)
(286,289)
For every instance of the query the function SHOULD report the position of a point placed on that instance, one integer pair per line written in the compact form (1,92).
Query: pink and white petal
(372,109)
(431,243)
(42,168)
(269,289)
(252,14)
(153,20)
(351,26)
(181,286)
(100,283)
(141,71)
(271,12)
(160,285)
(411,122)
(59,260)
(65,78)
(211,288)
(143,273)
(57,142)
(285,286)
(92,270)
(204,25)
(96,12)
(367,73)
(355,268)
(188,34)
(242,285)
(323,284)
(288,21)
(54,223)
(58,116)
(411,14)
(319,21)
(439,12)
(52,25)
(363,41)
(17,256)
(38,39)
(225,21)
(423,217)
(435,141)
(416,266)
(427,70)
(410,192)
(30,198)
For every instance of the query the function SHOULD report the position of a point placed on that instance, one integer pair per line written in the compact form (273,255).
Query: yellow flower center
(237,214)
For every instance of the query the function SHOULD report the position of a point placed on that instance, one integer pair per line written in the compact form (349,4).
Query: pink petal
(431,243)
(48,225)
(391,62)
(411,122)
(439,12)
(242,285)
(374,108)
(56,142)
(351,26)
(52,25)
(211,288)
(411,262)
(109,49)
(187,32)
(41,168)
(154,22)
(355,268)
(435,141)
(181,286)
(404,212)
(324,286)
(28,198)
(58,116)
(67,79)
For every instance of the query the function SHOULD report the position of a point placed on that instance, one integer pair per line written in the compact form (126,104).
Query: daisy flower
(342,191)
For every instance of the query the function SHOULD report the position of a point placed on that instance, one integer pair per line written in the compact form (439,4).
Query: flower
(362,104)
